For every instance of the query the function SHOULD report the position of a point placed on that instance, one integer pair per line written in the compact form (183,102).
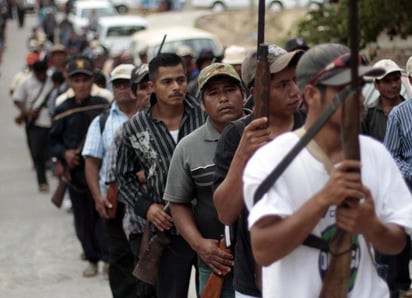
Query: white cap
(409,66)
(184,50)
(234,55)
(388,65)
(122,72)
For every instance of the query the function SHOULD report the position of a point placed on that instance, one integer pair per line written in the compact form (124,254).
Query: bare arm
(228,197)
(207,249)
(92,166)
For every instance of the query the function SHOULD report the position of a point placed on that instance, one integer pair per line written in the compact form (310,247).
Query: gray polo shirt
(191,175)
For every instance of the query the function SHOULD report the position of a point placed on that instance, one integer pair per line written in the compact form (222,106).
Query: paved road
(39,253)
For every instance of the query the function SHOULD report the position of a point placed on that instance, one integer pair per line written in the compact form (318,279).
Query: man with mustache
(192,169)
(147,144)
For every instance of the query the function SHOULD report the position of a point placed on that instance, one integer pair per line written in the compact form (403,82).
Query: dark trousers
(89,226)
(175,269)
(144,290)
(38,141)
(122,283)
(397,276)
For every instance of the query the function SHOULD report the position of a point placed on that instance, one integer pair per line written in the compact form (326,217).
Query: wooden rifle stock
(214,284)
(336,282)
(58,195)
(262,82)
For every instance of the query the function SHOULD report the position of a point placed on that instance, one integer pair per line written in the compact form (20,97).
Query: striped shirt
(147,144)
(398,138)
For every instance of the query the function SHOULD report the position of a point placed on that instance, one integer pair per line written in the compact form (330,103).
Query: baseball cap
(409,66)
(80,65)
(234,54)
(388,65)
(58,48)
(139,73)
(278,60)
(297,43)
(320,56)
(184,50)
(217,69)
(121,72)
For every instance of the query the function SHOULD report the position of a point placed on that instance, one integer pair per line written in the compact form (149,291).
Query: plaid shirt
(147,144)
(98,143)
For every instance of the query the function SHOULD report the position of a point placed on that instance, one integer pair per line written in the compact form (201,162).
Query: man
(31,97)
(374,124)
(239,141)
(132,224)
(99,139)
(398,141)
(303,200)
(147,144)
(67,135)
(389,87)
(191,174)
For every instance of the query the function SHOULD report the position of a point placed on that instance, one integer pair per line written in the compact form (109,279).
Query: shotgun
(214,284)
(149,257)
(336,282)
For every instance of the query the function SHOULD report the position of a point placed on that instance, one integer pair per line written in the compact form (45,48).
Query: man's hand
(357,217)
(102,204)
(344,182)
(217,259)
(157,216)
(72,158)
(253,138)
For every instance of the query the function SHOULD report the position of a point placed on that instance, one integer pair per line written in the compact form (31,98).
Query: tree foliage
(330,23)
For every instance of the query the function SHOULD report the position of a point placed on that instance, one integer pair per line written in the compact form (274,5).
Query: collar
(210,132)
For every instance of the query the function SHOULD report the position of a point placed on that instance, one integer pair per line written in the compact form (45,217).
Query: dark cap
(278,60)
(320,56)
(80,65)
(297,43)
(139,73)
(40,66)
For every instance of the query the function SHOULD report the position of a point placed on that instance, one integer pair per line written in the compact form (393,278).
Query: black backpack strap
(316,242)
(103,119)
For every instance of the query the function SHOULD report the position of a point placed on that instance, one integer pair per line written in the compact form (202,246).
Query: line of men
(207,158)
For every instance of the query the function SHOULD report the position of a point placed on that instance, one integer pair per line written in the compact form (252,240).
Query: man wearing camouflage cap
(191,173)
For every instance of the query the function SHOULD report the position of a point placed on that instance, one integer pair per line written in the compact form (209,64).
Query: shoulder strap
(78,110)
(103,119)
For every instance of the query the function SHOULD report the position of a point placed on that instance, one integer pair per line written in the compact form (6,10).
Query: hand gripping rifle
(214,284)
(336,282)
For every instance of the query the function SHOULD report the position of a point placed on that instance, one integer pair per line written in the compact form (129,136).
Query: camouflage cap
(217,69)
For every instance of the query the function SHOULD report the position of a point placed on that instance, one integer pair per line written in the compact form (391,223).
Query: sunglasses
(342,61)
(120,83)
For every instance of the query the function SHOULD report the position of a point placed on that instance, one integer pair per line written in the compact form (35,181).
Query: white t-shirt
(300,273)
(30,91)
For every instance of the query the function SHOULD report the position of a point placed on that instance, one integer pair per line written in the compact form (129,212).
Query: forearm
(387,238)
(273,238)
(184,221)
(228,197)
(92,166)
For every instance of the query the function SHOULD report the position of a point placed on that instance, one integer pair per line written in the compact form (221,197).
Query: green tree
(330,23)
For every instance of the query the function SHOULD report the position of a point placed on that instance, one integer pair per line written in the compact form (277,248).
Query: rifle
(58,195)
(149,258)
(214,284)
(337,276)
(262,77)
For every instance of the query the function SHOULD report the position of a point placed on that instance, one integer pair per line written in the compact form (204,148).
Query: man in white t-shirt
(303,200)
